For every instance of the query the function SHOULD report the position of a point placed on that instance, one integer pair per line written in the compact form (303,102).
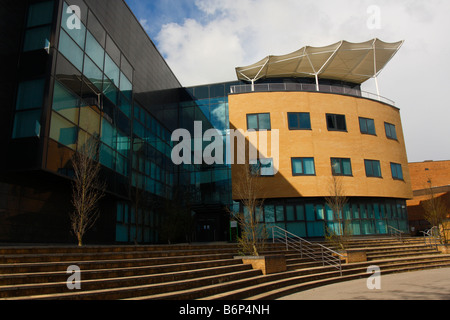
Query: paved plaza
(419,285)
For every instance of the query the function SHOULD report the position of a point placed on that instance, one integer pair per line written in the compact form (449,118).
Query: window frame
(303,167)
(389,132)
(371,162)
(258,121)
(395,177)
(341,167)
(366,120)
(334,118)
(259,167)
(298,114)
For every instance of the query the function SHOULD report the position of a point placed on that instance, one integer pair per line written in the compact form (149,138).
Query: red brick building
(426,175)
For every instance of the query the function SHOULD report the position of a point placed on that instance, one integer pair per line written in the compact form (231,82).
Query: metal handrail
(314,251)
(307,87)
(398,234)
(432,235)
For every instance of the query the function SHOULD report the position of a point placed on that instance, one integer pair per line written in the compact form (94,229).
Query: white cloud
(236,33)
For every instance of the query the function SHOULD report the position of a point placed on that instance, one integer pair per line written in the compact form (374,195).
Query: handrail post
(273,235)
(323,258)
(286,240)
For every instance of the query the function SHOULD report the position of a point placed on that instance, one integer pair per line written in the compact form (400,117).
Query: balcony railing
(307,87)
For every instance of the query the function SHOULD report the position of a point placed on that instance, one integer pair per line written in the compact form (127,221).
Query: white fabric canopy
(346,61)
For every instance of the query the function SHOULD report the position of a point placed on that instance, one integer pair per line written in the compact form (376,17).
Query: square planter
(354,256)
(267,264)
(444,248)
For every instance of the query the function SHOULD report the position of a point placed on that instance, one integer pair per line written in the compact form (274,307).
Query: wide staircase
(191,272)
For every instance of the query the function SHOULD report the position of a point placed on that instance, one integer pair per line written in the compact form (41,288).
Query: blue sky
(203,41)
(156,13)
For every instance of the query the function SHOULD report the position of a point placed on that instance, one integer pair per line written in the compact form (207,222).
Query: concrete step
(309,278)
(145,289)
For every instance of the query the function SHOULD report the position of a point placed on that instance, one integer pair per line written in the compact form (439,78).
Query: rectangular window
(397,171)
(341,167)
(258,121)
(367,126)
(391,132)
(299,121)
(263,168)
(373,168)
(336,122)
(303,167)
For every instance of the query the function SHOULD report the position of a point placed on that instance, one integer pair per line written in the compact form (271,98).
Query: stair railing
(431,237)
(397,234)
(314,251)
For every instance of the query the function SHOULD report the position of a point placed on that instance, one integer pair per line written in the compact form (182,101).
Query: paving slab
(433,284)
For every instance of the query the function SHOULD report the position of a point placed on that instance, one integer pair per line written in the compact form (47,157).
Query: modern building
(87,69)
(80,70)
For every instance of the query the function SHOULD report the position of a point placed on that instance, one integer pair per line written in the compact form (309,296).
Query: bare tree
(87,189)
(248,190)
(337,201)
(436,212)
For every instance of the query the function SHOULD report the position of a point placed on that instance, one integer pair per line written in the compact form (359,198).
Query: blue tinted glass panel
(112,70)
(30,94)
(309,166)
(93,73)
(77,34)
(65,103)
(107,156)
(40,13)
(252,122)
(94,50)
(371,126)
(310,212)
(297,166)
(347,167)
(27,124)
(70,50)
(108,133)
(269,213)
(63,131)
(264,122)
(125,86)
(37,38)
(293,120)
(305,121)
(110,90)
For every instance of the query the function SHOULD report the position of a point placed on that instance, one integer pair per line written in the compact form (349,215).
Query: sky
(203,41)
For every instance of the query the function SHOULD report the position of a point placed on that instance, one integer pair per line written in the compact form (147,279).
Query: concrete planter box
(353,256)
(444,248)
(267,264)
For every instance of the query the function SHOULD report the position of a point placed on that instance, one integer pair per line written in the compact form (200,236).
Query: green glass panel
(65,103)
(94,50)
(40,13)
(63,131)
(37,38)
(27,124)
(30,94)
(71,50)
